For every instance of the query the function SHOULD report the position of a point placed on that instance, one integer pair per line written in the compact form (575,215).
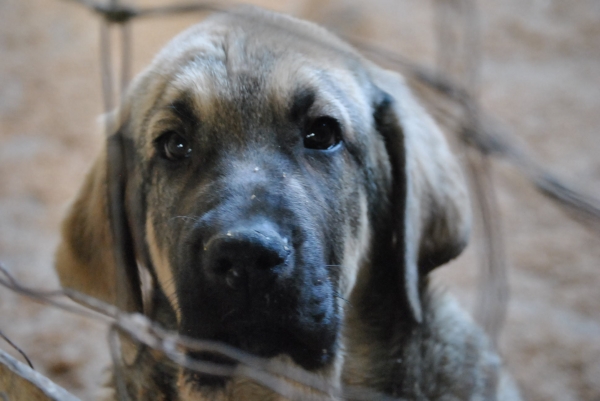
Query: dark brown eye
(173,146)
(323,133)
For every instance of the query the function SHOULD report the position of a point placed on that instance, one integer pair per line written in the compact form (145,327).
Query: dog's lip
(215,369)
(308,358)
(268,341)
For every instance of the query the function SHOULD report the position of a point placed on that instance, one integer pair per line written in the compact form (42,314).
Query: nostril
(268,260)
(319,318)
(223,266)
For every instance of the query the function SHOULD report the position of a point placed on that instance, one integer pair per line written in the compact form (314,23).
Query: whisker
(337,295)
(225,316)
(192,218)
(336,268)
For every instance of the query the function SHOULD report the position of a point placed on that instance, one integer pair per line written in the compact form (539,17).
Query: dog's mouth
(215,369)
(306,349)
(301,327)
(310,348)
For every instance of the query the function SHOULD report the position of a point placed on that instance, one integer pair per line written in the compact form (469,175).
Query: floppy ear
(96,255)
(430,200)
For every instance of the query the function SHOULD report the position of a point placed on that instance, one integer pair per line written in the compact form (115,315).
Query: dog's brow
(184,110)
(302,100)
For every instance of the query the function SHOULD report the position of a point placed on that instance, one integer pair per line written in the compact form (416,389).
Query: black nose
(239,255)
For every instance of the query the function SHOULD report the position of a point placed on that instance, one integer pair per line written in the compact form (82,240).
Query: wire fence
(450,93)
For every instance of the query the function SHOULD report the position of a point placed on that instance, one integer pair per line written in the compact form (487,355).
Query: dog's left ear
(430,199)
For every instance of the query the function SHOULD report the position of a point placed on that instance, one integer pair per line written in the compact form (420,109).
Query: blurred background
(539,73)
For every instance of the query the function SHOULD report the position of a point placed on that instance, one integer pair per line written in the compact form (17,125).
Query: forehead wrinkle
(294,89)
(342,84)
(167,64)
(337,91)
(302,100)
(183,108)
(227,89)
(168,110)
(155,96)
(205,79)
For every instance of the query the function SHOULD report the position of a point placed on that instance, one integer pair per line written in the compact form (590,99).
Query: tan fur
(163,269)
(84,260)
(355,251)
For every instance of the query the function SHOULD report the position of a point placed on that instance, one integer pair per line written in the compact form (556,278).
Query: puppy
(288,198)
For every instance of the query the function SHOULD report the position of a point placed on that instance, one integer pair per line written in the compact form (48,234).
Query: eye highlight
(173,146)
(323,133)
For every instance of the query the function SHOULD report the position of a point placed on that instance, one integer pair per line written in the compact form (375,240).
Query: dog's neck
(245,389)
(373,322)
(414,361)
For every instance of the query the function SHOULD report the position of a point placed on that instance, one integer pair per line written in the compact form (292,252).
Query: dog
(289,198)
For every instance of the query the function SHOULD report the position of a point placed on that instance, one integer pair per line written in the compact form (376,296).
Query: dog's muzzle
(259,287)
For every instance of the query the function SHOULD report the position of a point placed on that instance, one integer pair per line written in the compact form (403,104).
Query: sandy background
(540,75)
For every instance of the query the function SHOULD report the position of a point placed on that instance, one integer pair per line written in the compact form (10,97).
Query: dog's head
(262,166)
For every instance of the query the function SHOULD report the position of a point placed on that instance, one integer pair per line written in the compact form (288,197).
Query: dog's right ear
(85,260)
(96,256)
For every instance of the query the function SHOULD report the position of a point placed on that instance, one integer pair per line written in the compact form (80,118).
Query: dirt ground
(540,75)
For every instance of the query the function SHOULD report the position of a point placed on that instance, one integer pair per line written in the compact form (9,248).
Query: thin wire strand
(115,355)
(47,297)
(106,70)
(458,55)
(126,51)
(19,350)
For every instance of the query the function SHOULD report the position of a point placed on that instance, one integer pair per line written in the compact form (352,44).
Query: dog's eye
(173,146)
(323,133)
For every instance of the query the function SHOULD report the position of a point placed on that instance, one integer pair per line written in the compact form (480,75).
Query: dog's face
(243,145)
(242,155)
(268,171)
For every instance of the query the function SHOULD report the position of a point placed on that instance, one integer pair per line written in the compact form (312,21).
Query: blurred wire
(458,55)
